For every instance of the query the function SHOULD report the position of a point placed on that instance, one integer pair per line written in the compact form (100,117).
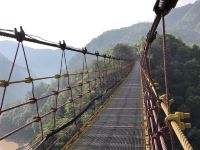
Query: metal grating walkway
(120,125)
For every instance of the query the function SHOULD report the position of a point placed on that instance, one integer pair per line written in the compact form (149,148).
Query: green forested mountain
(185,22)
(184,77)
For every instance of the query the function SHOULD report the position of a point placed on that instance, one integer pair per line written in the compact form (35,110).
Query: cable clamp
(54,109)
(164,6)
(4,83)
(37,118)
(178,117)
(63,45)
(32,100)
(55,92)
(84,50)
(20,36)
(68,87)
(97,53)
(71,100)
(28,80)
(57,76)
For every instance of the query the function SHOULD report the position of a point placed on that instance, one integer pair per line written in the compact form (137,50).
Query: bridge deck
(120,125)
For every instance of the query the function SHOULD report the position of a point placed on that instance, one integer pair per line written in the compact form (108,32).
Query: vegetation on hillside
(184,79)
(123,51)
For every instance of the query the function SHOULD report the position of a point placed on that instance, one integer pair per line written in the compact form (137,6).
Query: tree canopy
(184,79)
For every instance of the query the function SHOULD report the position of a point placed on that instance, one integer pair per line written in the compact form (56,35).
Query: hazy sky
(76,21)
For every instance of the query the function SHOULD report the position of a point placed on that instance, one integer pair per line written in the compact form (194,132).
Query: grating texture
(120,125)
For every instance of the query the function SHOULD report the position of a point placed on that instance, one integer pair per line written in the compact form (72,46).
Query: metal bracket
(178,117)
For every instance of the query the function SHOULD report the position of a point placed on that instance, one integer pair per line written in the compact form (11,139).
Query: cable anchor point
(20,36)
(62,45)
(84,50)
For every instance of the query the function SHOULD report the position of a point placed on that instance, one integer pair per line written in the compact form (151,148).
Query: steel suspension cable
(165,64)
(165,68)
(81,87)
(33,92)
(58,88)
(70,87)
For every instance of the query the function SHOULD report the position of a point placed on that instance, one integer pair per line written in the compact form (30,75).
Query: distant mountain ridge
(42,62)
(183,22)
(126,35)
(108,39)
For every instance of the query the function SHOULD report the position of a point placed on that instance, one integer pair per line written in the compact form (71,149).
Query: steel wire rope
(71,92)
(88,75)
(33,91)
(165,69)
(10,74)
(34,38)
(58,88)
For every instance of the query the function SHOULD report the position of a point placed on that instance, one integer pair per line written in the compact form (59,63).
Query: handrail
(175,126)
(153,102)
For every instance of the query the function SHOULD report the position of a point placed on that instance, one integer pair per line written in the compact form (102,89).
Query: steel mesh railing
(81,92)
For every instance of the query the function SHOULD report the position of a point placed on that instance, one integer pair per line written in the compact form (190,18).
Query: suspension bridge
(112,105)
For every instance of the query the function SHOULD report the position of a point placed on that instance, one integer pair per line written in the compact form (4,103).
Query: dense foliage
(184,79)
(123,51)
